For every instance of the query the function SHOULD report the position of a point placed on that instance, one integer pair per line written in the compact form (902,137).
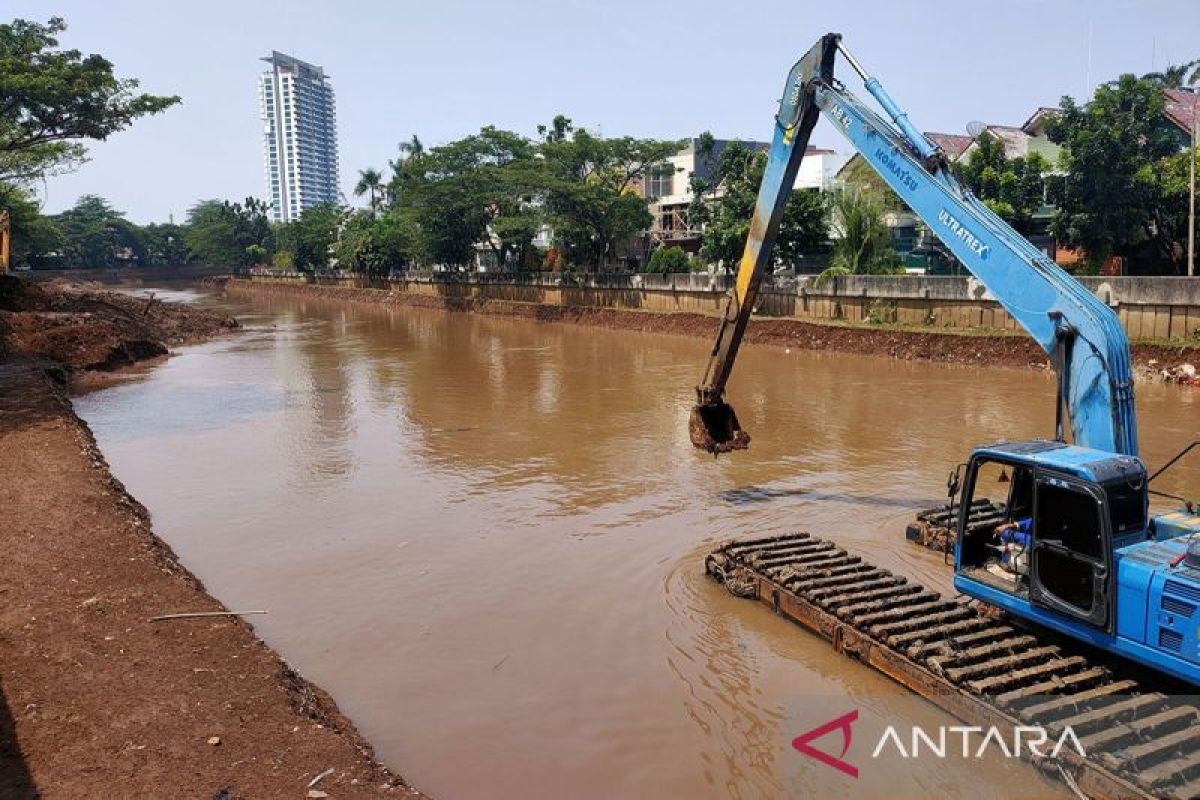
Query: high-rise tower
(299,136)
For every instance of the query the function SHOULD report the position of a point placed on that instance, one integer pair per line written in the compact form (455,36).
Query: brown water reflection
(484,536)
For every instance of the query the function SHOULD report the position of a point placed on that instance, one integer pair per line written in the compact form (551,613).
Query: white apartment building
(299,136)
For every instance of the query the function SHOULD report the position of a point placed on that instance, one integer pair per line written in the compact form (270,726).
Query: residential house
(1019,142)
(668,188)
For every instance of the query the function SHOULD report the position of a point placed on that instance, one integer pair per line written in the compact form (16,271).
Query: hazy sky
(663,69)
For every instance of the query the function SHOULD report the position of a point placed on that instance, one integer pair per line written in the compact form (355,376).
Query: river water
(484,537)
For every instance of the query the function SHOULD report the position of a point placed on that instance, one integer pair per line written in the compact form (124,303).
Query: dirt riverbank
(982,348)
(89,330)
(96,700)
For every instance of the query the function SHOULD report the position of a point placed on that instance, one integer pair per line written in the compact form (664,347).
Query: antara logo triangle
(842,723)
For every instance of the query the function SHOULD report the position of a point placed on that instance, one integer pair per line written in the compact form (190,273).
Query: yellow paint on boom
(745,270)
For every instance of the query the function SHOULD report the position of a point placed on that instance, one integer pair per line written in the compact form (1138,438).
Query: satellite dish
(975,127)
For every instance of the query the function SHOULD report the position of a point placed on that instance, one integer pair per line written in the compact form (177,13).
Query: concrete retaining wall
(1149,308)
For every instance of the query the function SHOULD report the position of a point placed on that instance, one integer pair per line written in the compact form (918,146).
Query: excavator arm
(713,424)
(1079,332)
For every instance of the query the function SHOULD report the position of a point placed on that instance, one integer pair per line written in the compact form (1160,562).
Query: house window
(660,181)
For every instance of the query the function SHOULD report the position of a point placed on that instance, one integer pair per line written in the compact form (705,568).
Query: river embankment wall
(1150,308)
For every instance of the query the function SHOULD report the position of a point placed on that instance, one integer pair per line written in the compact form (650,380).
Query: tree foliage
(51,98)
(1012,187)
(592,188)
(1175,76)
(165,245)
(859,174)
(94,234)
(724,206)
(1113,199)
(862,243)
(498,190)
(311,238)
(33,236)
(481,189)
(219,232)
(377,245)
(669,260)
(370,182)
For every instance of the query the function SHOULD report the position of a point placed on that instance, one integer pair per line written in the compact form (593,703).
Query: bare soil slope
(96,700)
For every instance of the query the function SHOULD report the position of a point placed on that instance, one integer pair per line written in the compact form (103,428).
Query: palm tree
(412,147)
(1176,76)
(410,153)
(369,182)
(862,241)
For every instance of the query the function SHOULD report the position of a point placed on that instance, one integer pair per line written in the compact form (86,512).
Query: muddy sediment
(984,348)
(96,700)
(85,329)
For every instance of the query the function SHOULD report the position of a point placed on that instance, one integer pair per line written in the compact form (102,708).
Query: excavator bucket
(715,428)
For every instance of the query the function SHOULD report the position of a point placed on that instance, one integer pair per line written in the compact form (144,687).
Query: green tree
(862,243)
(592,200)
(377,246)
(1175,76)
(94,234)
(406,167)
(724,206)
(218,231)
(370,182)
(164,244)
(669,260)
(1014,188)
(311,238)
(256,254)
(481,189)
(1172,180)
(1112,199)
(34,237)
(50,99)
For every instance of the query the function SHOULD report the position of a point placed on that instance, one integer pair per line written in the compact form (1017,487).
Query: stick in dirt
(194,614)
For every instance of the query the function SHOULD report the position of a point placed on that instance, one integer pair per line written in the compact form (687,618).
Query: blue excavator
(1080,553)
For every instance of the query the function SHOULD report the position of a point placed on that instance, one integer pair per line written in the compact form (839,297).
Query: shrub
(669,259)
(881,312)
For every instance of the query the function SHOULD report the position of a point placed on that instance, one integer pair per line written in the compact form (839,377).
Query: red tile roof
(1181,108)
(952,144)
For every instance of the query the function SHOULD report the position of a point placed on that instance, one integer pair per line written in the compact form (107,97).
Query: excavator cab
(1050,545)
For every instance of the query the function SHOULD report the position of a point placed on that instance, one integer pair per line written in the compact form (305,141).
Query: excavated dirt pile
(88,329)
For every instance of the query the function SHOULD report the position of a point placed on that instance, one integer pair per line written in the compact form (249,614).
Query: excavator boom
(1080,333)
(1090,562)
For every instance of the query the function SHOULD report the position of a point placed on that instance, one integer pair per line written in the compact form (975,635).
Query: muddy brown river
(484,537)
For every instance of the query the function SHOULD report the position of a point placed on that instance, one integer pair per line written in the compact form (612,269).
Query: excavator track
(975,665)
(935,527)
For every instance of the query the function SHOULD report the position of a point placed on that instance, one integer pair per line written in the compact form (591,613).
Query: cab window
(1069,517)
(1127,507)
